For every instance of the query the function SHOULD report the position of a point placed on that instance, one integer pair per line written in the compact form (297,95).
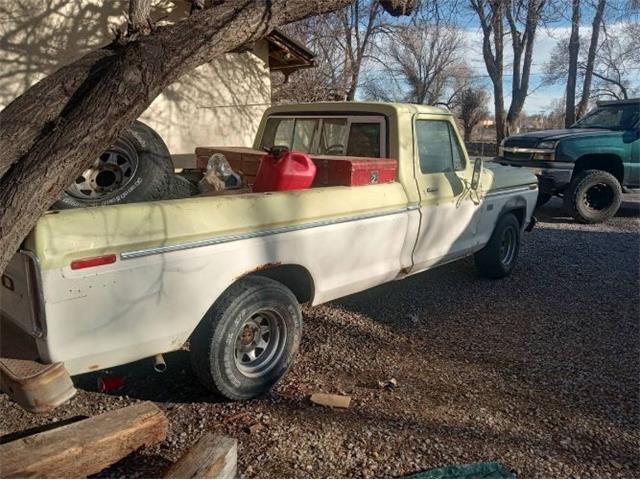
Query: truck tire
(498,257)
(248,339)
(542,199)
(593,196)
(136,168)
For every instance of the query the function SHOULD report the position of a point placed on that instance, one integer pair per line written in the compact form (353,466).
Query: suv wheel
(593,196)
(248,339)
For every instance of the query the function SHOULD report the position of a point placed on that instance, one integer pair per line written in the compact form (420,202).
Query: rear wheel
(593,196)
(248,339)
(498,258)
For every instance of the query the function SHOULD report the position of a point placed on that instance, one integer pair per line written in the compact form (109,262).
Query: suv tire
(248,339)
(498,257)
(593,196)
(136,168)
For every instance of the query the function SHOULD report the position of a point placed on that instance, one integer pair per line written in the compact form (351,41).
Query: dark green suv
(589,164)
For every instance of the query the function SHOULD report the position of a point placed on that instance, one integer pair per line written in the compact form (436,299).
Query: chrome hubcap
(112,171)
(508,245)
(260,343)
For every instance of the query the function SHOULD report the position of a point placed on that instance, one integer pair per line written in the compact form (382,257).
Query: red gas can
(284,170)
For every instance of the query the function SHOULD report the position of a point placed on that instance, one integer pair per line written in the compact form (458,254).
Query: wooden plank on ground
(84,447)
(210,457)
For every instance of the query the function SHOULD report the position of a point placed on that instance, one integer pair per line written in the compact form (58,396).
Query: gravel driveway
(540,371)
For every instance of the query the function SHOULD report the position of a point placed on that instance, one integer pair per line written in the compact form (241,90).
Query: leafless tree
(342,41)
(418,63)
(572,75)
(610,63)
(591,56)
(471,108)
(522,18)
(56,128)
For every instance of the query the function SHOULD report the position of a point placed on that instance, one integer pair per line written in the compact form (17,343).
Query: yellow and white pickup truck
(104,286)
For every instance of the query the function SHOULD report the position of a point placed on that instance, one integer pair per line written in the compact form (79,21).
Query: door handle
(432,189)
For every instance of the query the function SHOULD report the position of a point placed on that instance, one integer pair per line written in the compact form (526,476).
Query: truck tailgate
(21,294)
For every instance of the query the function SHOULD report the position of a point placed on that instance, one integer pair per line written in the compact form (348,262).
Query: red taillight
(93,262)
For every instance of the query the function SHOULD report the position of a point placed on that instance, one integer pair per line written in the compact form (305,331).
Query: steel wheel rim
(260,343)
(508,245)
(598,197)
(110,173)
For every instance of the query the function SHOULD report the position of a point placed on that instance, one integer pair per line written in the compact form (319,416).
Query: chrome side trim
(260,233)
(508,191)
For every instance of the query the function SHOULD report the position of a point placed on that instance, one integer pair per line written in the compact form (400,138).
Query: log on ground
(85,447)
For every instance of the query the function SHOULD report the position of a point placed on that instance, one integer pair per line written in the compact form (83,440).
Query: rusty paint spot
(259,268)
(94,367)
(405,270)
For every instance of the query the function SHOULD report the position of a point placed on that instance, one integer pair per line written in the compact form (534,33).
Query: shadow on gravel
(563,326)
(177,384)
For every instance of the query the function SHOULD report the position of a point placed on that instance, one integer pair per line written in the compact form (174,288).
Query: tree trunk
(47,139)
(591,58)
(574,49)
(468,129)
(522,52)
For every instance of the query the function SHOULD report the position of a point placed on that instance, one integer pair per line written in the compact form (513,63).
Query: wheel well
(520,213)
(295,277)
(605,162)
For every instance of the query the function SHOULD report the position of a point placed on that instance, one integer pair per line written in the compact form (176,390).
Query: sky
(541,96)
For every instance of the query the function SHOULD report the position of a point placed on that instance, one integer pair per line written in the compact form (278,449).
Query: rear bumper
(553,177)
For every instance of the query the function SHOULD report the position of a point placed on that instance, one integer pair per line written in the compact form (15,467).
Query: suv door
(449,213)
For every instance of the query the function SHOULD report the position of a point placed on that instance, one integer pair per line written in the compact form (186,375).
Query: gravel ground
(539,371)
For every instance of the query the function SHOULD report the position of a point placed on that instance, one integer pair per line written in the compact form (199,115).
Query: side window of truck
(438,147)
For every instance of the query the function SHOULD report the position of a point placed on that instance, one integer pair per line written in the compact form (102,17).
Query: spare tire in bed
(136,168)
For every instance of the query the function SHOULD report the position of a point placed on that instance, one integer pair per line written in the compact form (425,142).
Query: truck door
(449,213)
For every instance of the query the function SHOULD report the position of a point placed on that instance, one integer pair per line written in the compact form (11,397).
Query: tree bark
(47,139)
(574,49)
(139,21)
(492,28)
(522,58)
(591,58)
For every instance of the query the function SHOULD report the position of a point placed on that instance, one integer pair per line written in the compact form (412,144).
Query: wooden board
(84,447)
(210,457)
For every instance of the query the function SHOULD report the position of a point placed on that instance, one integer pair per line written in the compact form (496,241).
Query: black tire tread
(202,337)
(487,260)
(572,205)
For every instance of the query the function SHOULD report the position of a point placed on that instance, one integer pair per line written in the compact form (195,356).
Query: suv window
(438,147)
(612,117)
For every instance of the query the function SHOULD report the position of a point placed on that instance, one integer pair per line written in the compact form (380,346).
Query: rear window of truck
(356,136)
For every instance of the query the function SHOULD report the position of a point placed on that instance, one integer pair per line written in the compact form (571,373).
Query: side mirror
(477,173)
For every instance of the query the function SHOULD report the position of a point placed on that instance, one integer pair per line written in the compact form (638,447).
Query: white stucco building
(219,103)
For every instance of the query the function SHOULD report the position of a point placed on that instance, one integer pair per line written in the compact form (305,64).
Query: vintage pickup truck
(103,286)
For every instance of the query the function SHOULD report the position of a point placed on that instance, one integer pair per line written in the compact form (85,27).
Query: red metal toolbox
(353,171)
